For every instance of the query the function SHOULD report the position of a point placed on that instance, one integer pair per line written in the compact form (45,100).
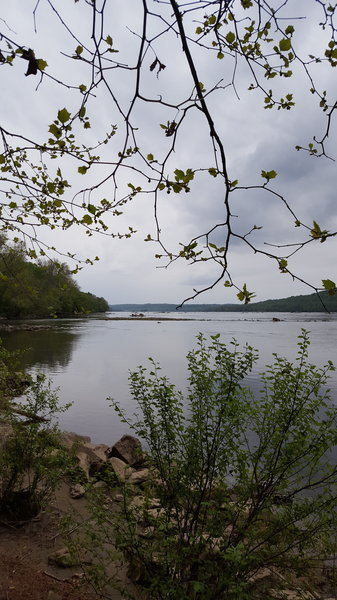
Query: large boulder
(90,456)
(129,450)
(121,469)
(69,439)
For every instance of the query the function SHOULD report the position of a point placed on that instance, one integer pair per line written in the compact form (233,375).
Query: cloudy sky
(253,138)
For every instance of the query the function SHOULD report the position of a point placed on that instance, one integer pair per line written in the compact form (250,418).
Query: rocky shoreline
(109,471)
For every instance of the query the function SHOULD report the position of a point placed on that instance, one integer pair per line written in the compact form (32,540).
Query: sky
(254,139)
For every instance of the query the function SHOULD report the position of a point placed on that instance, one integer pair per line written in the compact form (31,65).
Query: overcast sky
(254,139)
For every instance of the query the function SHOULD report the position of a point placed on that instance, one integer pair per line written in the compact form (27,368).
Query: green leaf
(63,115)
(316,231)
(41,64)
(87,220)
(82,112)
(329,286)
(108,40)
(269,174)
(283,263)
(150,157)
(82,87)
(79,50)
(230,37)
(285,44)
(289,30)
(55,130)
(82,170)
(244,295)
(2,159)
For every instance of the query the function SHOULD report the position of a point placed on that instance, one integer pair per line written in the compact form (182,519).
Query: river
(89,359)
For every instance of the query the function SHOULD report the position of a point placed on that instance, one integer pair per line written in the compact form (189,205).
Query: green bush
(13,381)
(32,460)
(239,483)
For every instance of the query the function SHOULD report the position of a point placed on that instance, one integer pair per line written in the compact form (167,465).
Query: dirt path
(25,572)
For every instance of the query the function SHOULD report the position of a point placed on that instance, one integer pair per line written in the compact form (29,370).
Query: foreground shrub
(13,381)
(239,483)
(32,460)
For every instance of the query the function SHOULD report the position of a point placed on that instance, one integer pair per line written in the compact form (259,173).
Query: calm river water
(89,359)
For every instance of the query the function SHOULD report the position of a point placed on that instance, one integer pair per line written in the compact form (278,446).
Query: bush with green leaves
(13,381)
(32,459)
(239,483)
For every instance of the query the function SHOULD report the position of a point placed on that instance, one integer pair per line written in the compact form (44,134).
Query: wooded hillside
(42,289)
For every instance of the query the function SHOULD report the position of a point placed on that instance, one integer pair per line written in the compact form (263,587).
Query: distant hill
(307,303)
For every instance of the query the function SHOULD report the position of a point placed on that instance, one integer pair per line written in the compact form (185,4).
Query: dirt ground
(25,572)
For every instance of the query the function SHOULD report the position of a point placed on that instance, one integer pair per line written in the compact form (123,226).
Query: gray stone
(84,462)
(128,449)
(121,469)
(64,559)
(97,450)
(77,491)
(90,457)
(140,476)
(70,439)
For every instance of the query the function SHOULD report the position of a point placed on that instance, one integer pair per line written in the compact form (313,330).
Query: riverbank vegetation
(232,497)
(40,289)
(305,303)
(239,495)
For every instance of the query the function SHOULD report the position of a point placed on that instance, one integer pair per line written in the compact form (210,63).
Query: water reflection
(52,348)
(89,360)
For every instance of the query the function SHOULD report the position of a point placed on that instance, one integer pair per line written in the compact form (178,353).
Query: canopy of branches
(144,127)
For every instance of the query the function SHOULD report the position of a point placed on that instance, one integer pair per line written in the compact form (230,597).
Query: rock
(63,559)
(84,463)
(100,485)
(90,457)
(142,501)
(77,491)
(118,498)
(138,477)
(99,450)
(128,449)
(121,469)
(70,439)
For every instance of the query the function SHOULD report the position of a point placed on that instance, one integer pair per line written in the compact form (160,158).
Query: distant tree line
(308,303)
(40,289)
